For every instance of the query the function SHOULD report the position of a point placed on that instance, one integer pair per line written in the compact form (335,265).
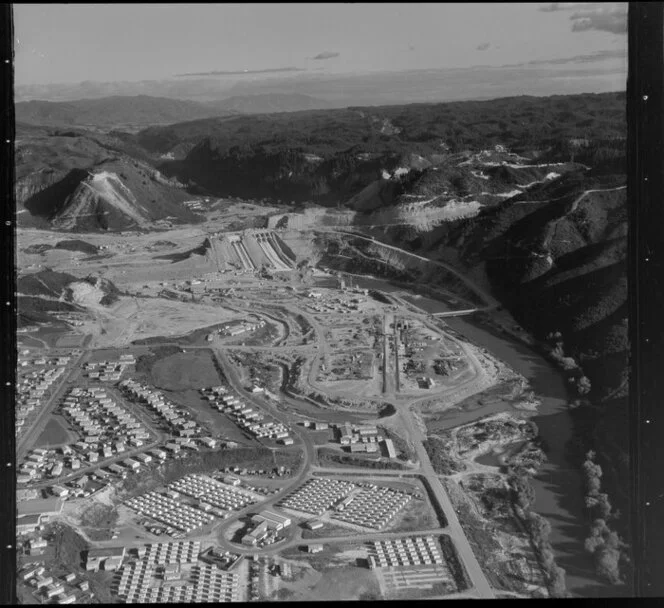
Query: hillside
(268,103)
(327,155)
(46,292)
(118,111)
(559,265)
(111,112)
(77,180)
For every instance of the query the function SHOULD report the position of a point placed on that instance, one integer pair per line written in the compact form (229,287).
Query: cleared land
(55,433)
(181,371)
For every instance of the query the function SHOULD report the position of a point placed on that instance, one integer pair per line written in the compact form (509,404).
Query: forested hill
(329,155)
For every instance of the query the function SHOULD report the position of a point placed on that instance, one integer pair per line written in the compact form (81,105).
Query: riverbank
(559,490)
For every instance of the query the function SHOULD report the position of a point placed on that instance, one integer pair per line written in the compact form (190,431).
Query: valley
(361,362)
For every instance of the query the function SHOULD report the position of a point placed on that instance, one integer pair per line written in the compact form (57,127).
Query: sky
(60,43)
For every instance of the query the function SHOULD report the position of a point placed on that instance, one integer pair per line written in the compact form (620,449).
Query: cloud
(601,17)
(326,55)
(576,59)
(589,58)
(242,72)
(554,7)
(601,20)
(484,46)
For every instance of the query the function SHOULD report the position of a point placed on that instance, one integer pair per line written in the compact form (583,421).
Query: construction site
(220,343)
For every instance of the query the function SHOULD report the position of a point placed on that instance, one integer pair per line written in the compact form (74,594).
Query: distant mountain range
(603,72)
(144,110)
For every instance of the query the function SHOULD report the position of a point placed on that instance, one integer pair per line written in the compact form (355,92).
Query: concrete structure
(46,507)
(275,521)
(28,523)
(109,558)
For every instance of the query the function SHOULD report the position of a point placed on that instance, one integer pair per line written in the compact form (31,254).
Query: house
(314,548)
(131,464)
(67,599)
(55,590)
(59,491)
(30,573)
(171,572)
(44,581)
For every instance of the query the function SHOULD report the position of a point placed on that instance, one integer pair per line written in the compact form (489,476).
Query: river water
(559,485)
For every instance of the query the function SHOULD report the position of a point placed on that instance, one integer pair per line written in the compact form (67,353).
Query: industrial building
(107,559)
(267,523)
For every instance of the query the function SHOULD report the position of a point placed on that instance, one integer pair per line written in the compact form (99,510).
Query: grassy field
(417,515)
(72,340)
(327,530)
(242,457)
(183,371)
(333,575)
(329,457)
(53,434)
(209,418)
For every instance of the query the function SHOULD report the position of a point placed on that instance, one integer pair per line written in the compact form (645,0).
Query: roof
(106,552)
(275,517)
(40,506)
(29,520)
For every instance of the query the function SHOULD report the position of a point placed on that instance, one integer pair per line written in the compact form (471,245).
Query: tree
(569,363)
(541,528)
(608,564)
(583,385)
(557,587)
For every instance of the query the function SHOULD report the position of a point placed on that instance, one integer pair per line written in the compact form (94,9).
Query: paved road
(350,538)
(488,299)
(480,585)
(309,451)
(473,568)
(137,410)
(30,435)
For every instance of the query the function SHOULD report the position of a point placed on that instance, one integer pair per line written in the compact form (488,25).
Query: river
(559,485)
